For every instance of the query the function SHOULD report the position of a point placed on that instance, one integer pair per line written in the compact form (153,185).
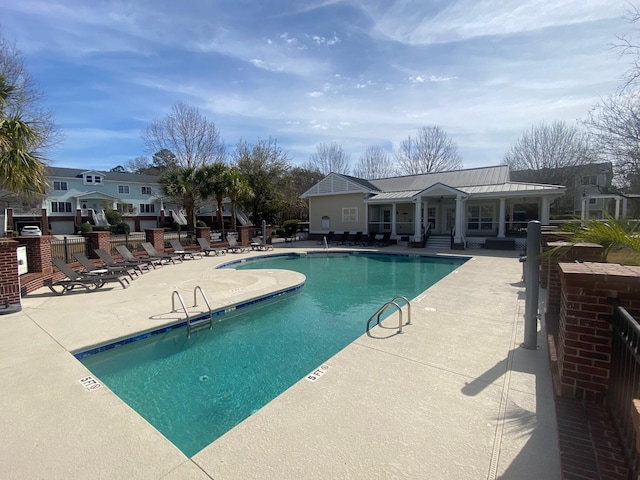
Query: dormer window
(90,179)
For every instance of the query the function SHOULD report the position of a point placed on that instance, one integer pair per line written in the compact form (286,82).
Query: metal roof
(455,178)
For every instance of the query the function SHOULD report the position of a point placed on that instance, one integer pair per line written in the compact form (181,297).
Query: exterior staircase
(439,242)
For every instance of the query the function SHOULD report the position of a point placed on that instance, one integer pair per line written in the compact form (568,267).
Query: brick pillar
(635,418)
(155,236)
(584,338)
(78,218)
(244,232)
(582,252)
(203,232)
(45,222)
(38,253)
(98,240)
(9,278)
(161,223)
(268,232)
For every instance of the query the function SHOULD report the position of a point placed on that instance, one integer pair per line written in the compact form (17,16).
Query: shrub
(121,228)
(86,227)
(113,216)
(200,223)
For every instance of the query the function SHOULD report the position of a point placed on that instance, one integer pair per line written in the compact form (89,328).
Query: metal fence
(130,240)
(624,385)
(65,248)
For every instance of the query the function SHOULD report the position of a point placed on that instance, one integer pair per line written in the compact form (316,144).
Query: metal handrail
(406,300)
(380,311)
(196,323)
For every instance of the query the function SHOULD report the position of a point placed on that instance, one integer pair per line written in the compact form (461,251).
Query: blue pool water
(194,390)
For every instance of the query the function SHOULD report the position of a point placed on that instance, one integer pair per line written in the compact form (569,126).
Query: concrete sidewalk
(454,397)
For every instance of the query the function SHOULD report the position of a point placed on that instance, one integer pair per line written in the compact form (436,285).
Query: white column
(393,219)
(617,207)
(459,234)
(624,206)
(417,224)
(544,211)
(585,208)
(501,217)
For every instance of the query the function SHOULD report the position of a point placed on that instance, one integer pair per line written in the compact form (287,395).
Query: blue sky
(355,72)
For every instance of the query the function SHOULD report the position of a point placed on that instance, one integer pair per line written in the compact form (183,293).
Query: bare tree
(614,125)
(374,163)
(431,150)
(188,134)
(329,158)
(550,147)
(264,165)
(628,46)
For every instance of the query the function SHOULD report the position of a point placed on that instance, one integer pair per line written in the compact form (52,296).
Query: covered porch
(441,210)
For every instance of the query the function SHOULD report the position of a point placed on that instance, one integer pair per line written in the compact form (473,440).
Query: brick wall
(550,271)
(244,234)
(98,240)
(584,338)
(155,236)
(38,253)
(9,279)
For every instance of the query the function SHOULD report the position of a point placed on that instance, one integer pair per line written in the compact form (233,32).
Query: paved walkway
(455,397)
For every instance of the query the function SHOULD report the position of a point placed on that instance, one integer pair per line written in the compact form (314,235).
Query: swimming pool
(195,389)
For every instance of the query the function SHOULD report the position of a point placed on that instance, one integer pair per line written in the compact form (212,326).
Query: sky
(356,72)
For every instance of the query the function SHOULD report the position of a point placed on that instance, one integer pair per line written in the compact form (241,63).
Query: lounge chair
(234,246)
(130,257)
(139,265)
(88,282)
(206,248)
(385,241)
(258,244)
(163,257)
(343,239)
(357,239)
(180,250)
(93,269)
(370,240)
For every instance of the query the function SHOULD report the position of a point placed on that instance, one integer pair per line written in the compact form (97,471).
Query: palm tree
(213,183)
(611,232)
(22,168)
(237,187)
(184,187)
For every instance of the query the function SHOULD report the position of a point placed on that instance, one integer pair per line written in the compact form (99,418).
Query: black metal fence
(624,385)
(130,240)
(65,248)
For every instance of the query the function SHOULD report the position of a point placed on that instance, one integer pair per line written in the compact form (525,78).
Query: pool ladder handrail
(388,304)
(195,324)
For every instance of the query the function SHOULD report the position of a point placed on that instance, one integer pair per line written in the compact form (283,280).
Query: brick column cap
(595,268)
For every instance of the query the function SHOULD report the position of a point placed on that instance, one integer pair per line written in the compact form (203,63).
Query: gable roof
(337,183)
(61,172)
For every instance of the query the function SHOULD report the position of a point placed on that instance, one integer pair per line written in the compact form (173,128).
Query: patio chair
(130,257)
(356,240)
(343,239)
(234,246)
(385,241)
(88,282)
(180,250)
(139,265)
(163,257)
(258,244)
(206,248)
(93,269)
(370,240)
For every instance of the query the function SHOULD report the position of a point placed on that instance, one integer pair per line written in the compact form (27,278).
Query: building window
(125,208)
(61,207)
(145,190)
(590,180)
(93,179)
(147,208)
(350,214)
(431,217)
(88,179)
(326,223)
(593,201)
(60,185)
(97,179)
(123,189)
(480,217)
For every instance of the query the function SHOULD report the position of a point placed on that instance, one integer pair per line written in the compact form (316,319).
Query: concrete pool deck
(455,397)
